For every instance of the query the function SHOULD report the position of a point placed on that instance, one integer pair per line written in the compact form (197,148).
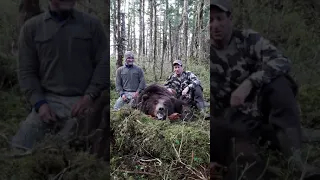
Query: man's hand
(46,114)
(170,90)
(136,94)
(185,91)
(124,97)
(81,105)
(240,94)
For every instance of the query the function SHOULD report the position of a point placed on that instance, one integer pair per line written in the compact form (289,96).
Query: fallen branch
(60,175)
(137,172)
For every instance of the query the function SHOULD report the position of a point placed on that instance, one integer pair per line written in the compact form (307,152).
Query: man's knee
(279,105)
(198,89)
(280,93)
(30,130)
(119,102)
(281,84)
(197,92)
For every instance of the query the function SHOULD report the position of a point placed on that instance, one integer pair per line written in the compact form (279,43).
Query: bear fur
(155,100)
(92,130)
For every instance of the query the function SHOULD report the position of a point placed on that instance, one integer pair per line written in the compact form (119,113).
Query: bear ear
(145,97)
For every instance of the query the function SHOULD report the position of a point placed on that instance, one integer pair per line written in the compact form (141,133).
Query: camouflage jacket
(248,56)
(187,78)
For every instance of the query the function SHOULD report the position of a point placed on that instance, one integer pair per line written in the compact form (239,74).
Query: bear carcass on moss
(157,101)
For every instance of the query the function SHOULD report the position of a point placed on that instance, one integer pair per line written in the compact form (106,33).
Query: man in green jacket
(62,68)
(130,81)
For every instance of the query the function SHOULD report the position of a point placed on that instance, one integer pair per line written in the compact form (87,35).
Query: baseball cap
(128,54)
(177,62)
(224,5)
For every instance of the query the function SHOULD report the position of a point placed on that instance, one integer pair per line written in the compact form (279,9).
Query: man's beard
(62,7)
(178,73)
(129,63)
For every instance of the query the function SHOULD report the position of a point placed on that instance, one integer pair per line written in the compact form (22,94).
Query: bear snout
(161,113)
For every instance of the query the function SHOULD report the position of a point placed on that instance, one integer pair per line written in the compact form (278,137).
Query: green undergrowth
(309,98)
(50,160)
(139,135)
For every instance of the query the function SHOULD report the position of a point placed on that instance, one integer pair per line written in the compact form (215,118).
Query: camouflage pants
(33,130)
(196,97)
(236,133)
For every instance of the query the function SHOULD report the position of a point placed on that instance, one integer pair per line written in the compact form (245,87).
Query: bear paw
(174,116)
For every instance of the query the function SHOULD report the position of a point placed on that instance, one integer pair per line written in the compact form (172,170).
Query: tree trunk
(191,48)
(151,30)
(164,39)
(200,27)
(171,44)
(134,45)
(114,21)
(27,9)
(185,32)
(128,39)
(119,38)
(155,41)
(143,31)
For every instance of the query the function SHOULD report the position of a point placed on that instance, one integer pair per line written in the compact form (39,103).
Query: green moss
(160,138)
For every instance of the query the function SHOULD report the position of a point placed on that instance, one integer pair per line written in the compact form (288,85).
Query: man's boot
(201,107)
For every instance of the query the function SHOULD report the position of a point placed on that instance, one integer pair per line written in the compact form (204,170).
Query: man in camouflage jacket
(185,83)
(250,89)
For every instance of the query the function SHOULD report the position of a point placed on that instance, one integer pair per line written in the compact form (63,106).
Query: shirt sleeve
(271,61)
(168,82)
(119,87)
(142,82)
(194,80)
(100,79)
(28,66)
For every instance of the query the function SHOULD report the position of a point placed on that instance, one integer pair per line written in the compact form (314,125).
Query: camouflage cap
(128,54)
(224,5)
(177,62)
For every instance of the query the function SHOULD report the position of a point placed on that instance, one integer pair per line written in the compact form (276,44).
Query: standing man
(129,81)
(250,76)
(62,68)
(186,83)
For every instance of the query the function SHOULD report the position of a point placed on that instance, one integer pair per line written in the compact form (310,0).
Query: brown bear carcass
(156,101)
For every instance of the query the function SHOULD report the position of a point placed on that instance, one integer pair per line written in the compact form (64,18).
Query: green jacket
(65,58)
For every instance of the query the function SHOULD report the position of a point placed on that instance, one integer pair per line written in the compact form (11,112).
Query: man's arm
(168,82)
(194,80)
(142,82)
(273,62)
(119,87)
(28,67)
(100,78)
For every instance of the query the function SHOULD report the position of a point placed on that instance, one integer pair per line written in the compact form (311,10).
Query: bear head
(158,102)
